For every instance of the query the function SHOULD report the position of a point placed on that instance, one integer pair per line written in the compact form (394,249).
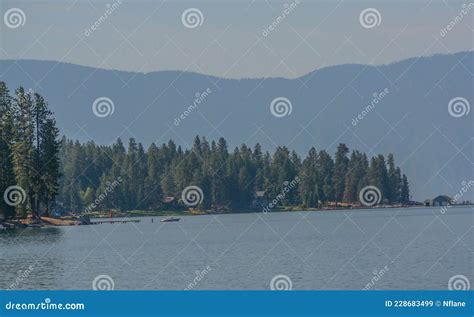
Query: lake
(416,248)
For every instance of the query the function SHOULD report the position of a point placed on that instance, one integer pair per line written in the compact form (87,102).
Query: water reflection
(245,252)
(36,235)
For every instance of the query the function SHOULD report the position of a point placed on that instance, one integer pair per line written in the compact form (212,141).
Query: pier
(114,221)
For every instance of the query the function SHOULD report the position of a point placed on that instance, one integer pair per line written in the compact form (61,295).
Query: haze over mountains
(411,120)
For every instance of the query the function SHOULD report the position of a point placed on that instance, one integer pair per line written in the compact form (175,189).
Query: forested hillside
(40,173)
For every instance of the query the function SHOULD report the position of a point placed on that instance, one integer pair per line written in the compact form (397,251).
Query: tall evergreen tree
(153,192)
(49,156)
(23,148)
(341,167)
(310,180)
(404,191)
(46,159)
(356,177)
(7,175)
(326,185)
(393,180)
(378,175)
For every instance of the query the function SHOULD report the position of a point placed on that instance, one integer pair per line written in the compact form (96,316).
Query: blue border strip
(239,303)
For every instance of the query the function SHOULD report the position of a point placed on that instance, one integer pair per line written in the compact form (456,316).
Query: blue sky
(150,36)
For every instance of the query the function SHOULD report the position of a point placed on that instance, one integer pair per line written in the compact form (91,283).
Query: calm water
(415,249)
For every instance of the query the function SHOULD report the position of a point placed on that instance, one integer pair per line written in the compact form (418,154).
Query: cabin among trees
(441,200)
(169,203)
(260,200)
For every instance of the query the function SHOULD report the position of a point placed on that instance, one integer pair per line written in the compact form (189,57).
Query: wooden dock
(114,221)
(59,222)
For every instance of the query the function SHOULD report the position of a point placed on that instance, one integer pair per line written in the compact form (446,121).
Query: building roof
(168,199)
(260,193)
(442,198)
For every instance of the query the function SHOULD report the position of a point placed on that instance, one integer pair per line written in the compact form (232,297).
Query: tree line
(228,180)
(73,176)
(29,154)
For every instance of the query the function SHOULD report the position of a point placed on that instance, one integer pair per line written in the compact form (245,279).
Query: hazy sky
(150,35)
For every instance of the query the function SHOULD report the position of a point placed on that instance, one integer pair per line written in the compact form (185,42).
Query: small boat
(170,219)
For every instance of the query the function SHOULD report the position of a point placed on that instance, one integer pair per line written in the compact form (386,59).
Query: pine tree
(378,176)
(397,184)
(257,159)
(153,192)
(393,180)
(119,197)
(7,176)
(220,186)
(46,156)
(49,156)
(310,180)
(341,166)
(23,148)
(326,184)
(282,172)
(404,191)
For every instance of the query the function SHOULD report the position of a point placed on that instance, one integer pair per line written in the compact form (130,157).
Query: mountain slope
(411,119)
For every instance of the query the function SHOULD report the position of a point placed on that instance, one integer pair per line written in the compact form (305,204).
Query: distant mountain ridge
(411,119)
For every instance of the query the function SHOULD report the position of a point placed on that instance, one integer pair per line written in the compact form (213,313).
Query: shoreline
(186,213)
(68,221)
